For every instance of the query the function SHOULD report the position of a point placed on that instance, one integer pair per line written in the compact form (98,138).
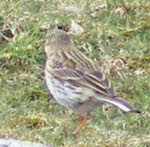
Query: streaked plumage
(75,81)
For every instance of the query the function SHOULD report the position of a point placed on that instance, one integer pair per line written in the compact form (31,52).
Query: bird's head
(57,40)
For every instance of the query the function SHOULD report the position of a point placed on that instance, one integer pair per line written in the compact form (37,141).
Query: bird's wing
(95,80)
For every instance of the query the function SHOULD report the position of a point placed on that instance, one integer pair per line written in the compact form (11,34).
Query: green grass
(116,33)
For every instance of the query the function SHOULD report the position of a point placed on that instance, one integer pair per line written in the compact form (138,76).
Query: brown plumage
(75,81)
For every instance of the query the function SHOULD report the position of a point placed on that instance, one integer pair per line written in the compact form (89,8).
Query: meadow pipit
(75,81)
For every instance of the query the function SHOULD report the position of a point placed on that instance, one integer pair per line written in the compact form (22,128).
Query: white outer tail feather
(121,104)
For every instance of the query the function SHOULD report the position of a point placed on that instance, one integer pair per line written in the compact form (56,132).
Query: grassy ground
(116,33)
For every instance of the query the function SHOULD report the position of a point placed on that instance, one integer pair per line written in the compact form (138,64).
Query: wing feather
(81,72)
(90,80)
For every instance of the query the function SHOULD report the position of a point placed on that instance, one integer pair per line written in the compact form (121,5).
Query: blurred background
(116,34)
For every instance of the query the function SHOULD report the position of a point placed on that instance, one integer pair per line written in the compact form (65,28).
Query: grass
(116,33)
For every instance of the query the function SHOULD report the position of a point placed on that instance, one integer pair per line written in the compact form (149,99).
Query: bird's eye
(65,38)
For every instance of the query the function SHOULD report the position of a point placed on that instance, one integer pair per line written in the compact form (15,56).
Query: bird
(75,81)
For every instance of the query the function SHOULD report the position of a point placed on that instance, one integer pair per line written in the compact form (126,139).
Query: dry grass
(116,33)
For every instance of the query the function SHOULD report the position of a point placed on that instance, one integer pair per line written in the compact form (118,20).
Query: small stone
(76,28)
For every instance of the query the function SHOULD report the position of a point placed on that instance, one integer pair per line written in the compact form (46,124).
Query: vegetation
(116,34)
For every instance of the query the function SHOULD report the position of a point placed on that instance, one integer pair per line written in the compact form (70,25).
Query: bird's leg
(85,118)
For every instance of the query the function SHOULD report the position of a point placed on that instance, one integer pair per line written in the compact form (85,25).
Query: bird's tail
(122,104)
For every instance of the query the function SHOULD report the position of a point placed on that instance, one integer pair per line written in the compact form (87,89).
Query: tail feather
(122,104)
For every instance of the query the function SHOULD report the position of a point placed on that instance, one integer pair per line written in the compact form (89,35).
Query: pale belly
(63,93)
(71,97)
